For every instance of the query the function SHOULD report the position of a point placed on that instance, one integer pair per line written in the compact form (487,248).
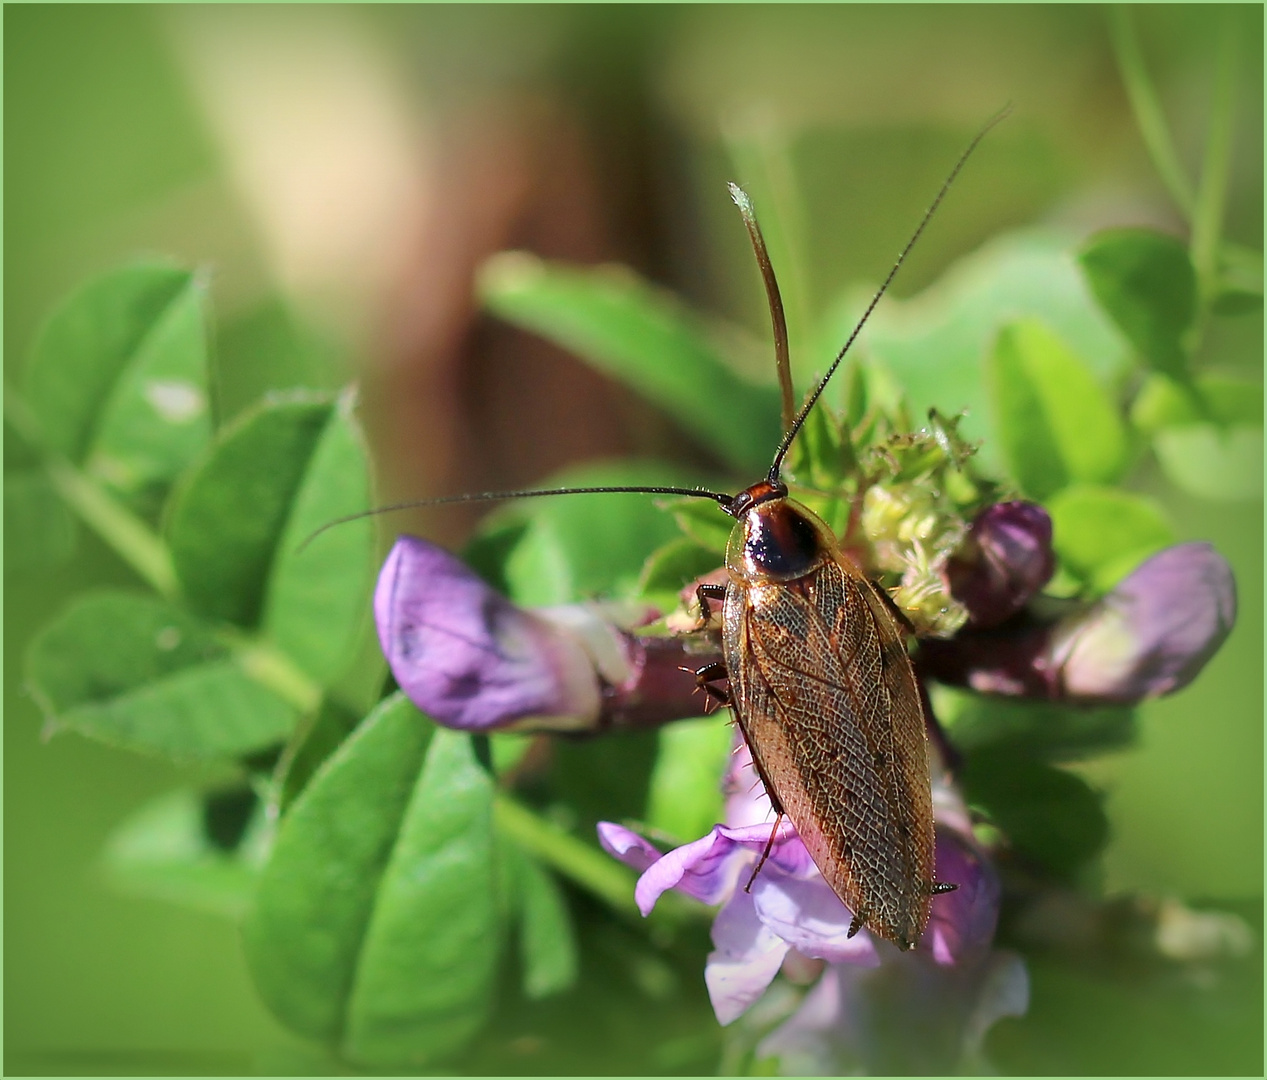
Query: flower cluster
(473,660)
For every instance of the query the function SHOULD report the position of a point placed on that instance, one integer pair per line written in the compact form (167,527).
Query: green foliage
(1145,281)
(118,379)
(141,673)
(1056,423)
(384,870)
(39,529)
(684,799)
(648,340)
(1052,818)
(1100,534)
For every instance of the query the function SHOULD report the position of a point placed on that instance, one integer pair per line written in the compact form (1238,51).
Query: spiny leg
(703,594)
(769,844)
(709,674)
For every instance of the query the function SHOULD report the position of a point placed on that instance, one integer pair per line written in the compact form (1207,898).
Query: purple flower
(1151,635)
(789,914)
(1005,559)
(471,659)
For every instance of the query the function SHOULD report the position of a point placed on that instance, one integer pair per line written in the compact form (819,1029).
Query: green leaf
(1145,281)
(226,520)
(932,345)
(1032,729)
(581,546)
(670,568)
(547,942)
(1050,816)
(1226,399)
(318,599)
(685,798)
(118,378)
(645,338)
(315,738)
(375,925)
(1103,533)
(39,530)
(163,851)
(1212,462)
(703,523)
(137,672)
(1055,422)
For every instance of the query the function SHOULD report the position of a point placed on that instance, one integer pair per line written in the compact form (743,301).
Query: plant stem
(1147,109)
(592,870)
(1207,224)
(580,863)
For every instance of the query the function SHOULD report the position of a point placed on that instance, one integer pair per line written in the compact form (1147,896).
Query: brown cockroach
(820,681)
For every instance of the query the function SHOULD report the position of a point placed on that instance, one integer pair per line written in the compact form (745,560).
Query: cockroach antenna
(792,419)
(798,422)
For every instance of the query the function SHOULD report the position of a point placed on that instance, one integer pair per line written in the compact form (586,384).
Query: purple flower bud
(1151,635)
(1004,560)
(471,659)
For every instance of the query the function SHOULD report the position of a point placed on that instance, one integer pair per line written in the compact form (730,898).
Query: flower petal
(627,846)
(962,922)
(466,655)
(1154,632)
(705,869)
(810,917)
(747,958)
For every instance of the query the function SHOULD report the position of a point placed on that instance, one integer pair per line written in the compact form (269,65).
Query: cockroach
(820,681)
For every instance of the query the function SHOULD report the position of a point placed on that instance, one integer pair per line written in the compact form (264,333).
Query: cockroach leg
(769,844)
(703,594)
(707,675)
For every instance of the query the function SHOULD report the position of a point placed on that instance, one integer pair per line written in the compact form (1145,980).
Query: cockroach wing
(825,695)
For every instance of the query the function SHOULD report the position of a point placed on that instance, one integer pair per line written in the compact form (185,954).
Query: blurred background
(342,173)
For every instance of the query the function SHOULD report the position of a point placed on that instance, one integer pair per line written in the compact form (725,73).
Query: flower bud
(471,659)
(1151,635)
(1005,559)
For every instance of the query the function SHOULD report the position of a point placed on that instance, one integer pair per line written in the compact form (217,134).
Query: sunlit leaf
(1226,399)
(318,598)
(375,927)
(1056,423)
(118,378)
(1104,533)
(645,338)
(137,672)
(1145,281)
(1213,462)
(294,462)
(579,546)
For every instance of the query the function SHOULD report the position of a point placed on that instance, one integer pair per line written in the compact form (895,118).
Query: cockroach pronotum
(819,677)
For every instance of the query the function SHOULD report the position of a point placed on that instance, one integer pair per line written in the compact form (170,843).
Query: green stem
(1207,224)
(592,870)
(129,536)
(1147,109)
(273,669)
